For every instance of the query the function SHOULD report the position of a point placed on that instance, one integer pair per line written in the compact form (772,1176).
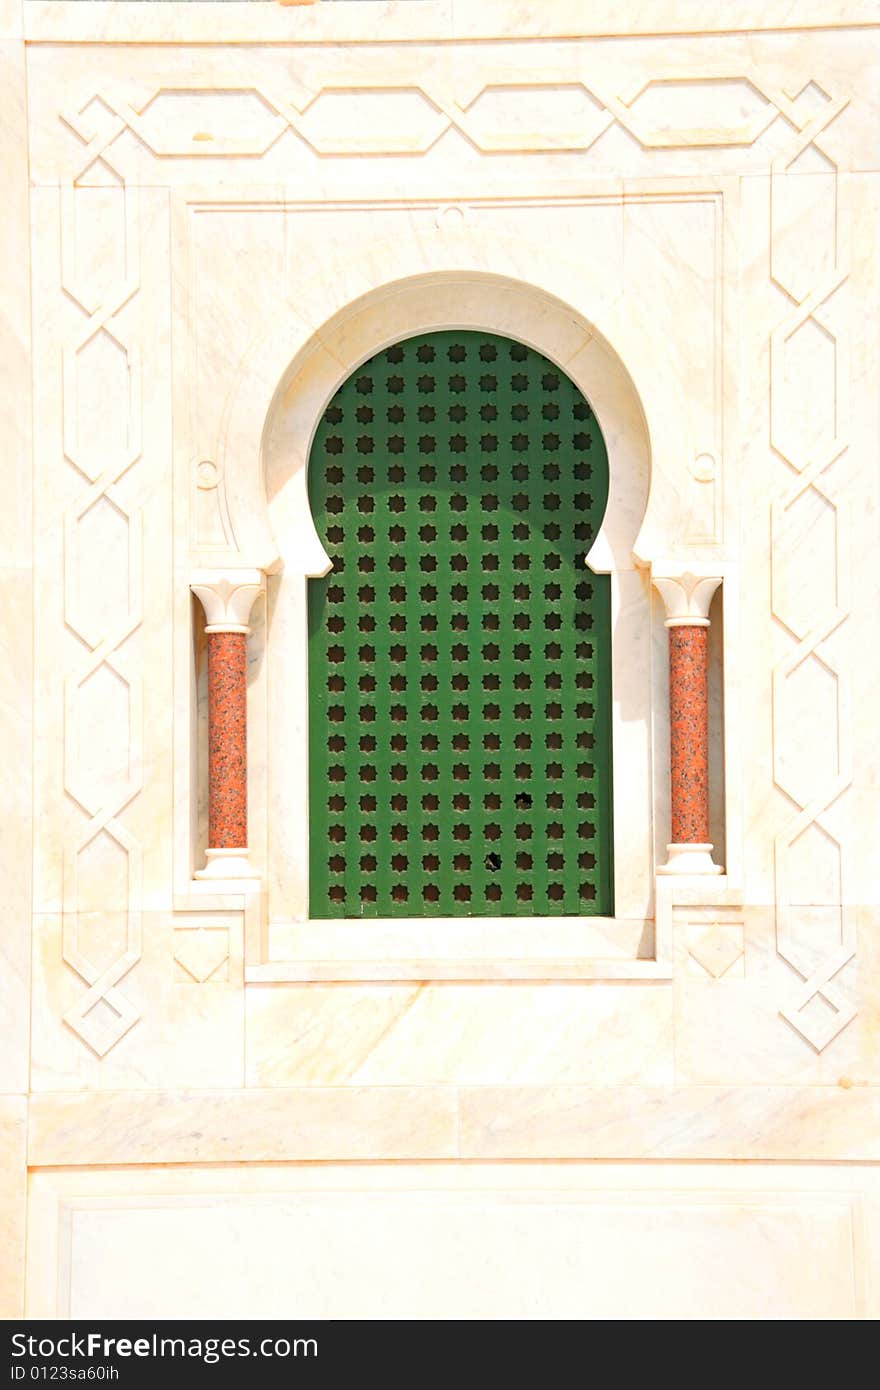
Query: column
(227,598)
(687,598)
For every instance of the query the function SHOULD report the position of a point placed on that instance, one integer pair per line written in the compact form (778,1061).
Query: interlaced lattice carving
(810,458)
(438,106)
(102,795)
(459,649)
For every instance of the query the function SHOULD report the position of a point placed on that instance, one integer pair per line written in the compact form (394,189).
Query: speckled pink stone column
(687,598)
(227,598)
(227,740)
(689,734)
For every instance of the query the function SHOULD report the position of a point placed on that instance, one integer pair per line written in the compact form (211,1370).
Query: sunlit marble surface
(212,214)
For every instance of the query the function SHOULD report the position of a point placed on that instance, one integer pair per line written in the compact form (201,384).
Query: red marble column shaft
(227,740)
(689,735)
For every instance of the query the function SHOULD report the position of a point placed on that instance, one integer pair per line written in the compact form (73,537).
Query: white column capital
(227,597)
(687,596)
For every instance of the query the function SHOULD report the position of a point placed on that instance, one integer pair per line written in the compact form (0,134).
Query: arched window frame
(457,948)
(284,381)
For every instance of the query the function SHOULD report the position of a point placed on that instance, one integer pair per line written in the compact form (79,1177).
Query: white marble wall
(493,1242)
(216,232)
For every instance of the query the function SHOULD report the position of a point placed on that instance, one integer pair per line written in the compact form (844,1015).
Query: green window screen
(459,649)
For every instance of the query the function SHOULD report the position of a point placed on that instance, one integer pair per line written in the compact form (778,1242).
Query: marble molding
(728,1242)
(376,1123)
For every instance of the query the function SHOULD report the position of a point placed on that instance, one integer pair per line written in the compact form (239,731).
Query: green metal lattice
(459,650)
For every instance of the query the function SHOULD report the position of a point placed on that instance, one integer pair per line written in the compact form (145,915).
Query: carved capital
(687,597)
(227,597)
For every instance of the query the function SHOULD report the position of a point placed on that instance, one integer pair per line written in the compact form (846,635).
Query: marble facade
(212,215)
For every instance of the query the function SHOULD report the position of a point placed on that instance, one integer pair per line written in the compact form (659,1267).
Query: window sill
(543,948)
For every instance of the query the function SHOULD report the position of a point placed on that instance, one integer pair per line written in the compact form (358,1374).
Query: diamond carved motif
(816,938)
(202,955)
(102,777)
(717,950)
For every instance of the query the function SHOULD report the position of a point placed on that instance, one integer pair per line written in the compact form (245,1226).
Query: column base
(227,863)
(689,859)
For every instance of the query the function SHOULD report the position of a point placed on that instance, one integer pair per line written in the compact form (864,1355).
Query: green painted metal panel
(459,650)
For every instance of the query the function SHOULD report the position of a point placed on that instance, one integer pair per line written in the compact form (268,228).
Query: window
(459,649)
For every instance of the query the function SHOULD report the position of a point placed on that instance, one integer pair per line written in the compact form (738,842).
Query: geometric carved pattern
(731,113)
(202,121)
(201,953)
(106,781)
(805,433)
(717,949)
